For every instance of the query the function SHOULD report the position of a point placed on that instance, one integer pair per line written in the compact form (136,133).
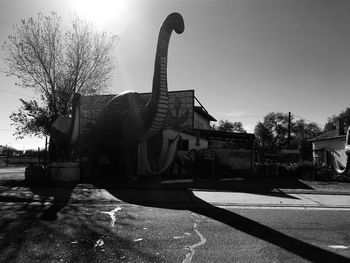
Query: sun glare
(102,12)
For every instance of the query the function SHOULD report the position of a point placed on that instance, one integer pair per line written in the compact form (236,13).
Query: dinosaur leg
(129,150)
(94,153)
(154,149)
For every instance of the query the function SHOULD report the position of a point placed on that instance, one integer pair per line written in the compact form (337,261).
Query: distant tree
(263,136)
(228,126)
(56,64)
(301,133)
(272,133)
(7,150)
(331,121)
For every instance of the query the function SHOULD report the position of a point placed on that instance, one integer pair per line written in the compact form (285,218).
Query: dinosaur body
(126,121)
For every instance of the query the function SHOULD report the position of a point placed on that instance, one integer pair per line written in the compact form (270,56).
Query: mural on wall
(91,107)
(180,112)
(180,109)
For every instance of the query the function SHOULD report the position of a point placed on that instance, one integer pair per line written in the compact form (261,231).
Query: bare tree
(56,64)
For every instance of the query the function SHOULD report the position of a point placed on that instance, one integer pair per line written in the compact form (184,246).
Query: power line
(241,116)
(308,120)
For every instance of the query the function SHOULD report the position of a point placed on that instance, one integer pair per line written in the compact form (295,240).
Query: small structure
(234,150)
(330,144)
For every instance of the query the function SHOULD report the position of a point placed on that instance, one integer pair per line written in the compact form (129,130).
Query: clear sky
(243,58)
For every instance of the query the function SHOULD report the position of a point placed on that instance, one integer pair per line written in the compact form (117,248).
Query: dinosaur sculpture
(344,170)
(65,132)
(126,120)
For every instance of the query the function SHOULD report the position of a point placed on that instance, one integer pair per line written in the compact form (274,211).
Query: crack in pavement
(192,250)
(112,215)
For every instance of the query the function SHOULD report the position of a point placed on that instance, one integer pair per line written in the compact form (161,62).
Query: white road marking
(338,246)
(137,239)
(112,215)
(284,207)
(192,248)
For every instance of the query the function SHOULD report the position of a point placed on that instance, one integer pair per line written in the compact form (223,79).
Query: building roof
(225,135)
(330,135)
(203,113)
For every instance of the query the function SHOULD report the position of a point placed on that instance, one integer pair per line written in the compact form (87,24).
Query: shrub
(305,170)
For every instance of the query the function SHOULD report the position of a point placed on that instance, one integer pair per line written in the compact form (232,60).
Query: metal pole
(289,120)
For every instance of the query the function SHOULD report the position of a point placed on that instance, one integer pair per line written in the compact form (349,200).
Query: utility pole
(289,120)
(45,160)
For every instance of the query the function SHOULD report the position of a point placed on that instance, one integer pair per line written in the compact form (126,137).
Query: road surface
(95,225)
(86,223)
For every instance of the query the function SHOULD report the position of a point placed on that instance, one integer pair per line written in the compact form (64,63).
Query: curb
(253,190)
(189,205)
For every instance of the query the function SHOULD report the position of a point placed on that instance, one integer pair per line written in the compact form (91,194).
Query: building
(189,120)
(199,142)
(328,144)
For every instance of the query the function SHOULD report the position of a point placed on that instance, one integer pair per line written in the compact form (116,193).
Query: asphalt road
(156,225)
(132,233)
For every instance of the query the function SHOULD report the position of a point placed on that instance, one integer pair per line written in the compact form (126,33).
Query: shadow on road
(61,195)
(31,233)
(170,199)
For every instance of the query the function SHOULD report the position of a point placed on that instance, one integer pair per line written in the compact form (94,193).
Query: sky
(243,58)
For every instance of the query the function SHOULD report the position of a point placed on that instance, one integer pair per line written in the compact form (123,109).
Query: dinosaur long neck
(157,106)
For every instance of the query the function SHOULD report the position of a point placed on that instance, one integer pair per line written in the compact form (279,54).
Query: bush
(305,170)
